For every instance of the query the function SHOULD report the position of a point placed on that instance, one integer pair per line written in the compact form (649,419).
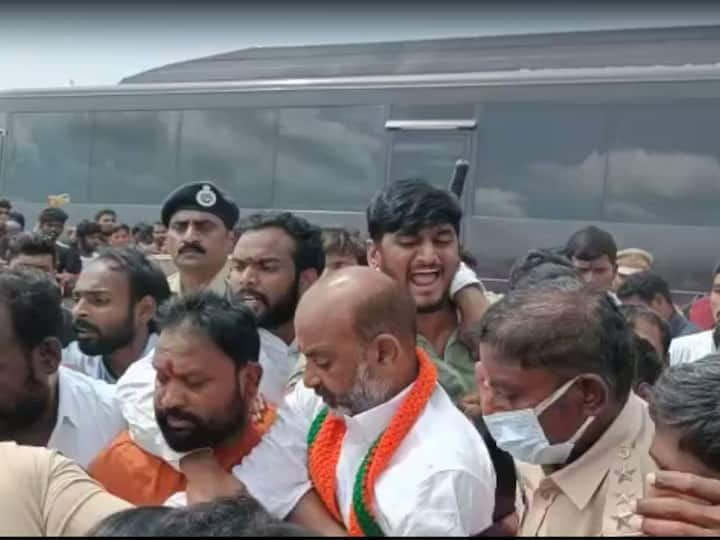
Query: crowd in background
(218,374)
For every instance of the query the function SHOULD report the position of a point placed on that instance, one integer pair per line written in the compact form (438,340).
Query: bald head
(356,327)
(374,303)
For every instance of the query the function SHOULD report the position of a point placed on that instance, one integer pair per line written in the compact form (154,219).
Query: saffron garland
(325,439)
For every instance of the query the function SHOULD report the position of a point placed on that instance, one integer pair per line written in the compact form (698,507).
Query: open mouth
(253,301)
(424,278)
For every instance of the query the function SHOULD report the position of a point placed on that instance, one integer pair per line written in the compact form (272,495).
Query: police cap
(203,197)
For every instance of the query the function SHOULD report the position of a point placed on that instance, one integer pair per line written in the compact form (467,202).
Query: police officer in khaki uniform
(555,382)
(200,220)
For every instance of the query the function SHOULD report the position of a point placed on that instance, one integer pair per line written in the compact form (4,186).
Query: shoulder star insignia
(625,498)
(623,520)
(624,473)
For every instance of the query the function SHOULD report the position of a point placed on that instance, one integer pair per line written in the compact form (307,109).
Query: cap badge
(206,197)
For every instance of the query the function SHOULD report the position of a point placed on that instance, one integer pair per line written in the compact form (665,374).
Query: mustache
(82,326)
(193,247)
(178,414)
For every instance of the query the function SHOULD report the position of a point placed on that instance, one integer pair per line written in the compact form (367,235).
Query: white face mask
(521,435)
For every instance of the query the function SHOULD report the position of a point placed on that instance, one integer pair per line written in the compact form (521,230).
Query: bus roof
(587,49)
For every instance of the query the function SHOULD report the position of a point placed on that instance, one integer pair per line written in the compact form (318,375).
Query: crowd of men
(288,380)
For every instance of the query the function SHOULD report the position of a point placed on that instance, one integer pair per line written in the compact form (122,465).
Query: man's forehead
(269,242)
(188,347)
(99,276)
(602,260)
(197,216)
(425,230)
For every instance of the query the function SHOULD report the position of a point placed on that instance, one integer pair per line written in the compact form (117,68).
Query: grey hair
(685,398)
(561,326)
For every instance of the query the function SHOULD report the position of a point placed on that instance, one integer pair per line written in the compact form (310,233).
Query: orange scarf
(325,439)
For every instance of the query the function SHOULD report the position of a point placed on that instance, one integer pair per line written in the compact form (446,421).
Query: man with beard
(116,298)
(200,220)
(41,402)
(276,259)
(206,361)
(372,417)
(414,230)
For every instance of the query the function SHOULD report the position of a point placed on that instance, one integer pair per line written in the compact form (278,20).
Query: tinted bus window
(541,161)
(330,158)
(133,158)
(234,148)
(664,165)
(430,156)
(47,154)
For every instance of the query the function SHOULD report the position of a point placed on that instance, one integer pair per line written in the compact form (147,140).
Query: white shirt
(136,389)
(690,348)
(88,418)
(93,366)
(277,360)
(440,482)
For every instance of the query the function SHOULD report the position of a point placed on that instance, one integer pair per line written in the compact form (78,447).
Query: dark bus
(620,129)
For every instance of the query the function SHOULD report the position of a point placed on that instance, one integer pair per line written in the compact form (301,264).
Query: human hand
(680,504)
(206,479)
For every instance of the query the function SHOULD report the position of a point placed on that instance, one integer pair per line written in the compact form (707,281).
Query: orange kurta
(131,473)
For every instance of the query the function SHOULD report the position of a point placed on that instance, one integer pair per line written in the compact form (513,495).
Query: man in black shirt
(51,222)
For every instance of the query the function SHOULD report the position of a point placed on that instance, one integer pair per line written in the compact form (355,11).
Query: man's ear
(644,390)
(46,356)
(596,393)
(145,309)
(308,277)
(387,350)
(249,379)
(374,256)
(229,241)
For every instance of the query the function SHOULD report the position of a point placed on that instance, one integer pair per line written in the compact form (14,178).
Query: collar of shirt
(277,360)
(581,478)
(369,425)
(218,284)
(273,345)
(94,366)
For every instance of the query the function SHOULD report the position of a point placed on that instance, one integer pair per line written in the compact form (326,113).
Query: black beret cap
(203,197)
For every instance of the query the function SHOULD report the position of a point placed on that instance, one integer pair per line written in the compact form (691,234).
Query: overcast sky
(48,46)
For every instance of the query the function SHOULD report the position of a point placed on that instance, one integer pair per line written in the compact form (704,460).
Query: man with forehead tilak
(371,431)
(277,257)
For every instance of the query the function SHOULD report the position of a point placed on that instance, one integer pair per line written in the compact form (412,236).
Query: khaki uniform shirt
(217,285)
(44,494)
(591,496)
(456,370)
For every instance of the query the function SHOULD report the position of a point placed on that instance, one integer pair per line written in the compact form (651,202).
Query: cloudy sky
(45,46)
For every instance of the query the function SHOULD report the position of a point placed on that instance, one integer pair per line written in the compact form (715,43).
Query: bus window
(330,158)
(47,154)
(541,161)
(234,148)
(664,165)
(133,158)
(429,156)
